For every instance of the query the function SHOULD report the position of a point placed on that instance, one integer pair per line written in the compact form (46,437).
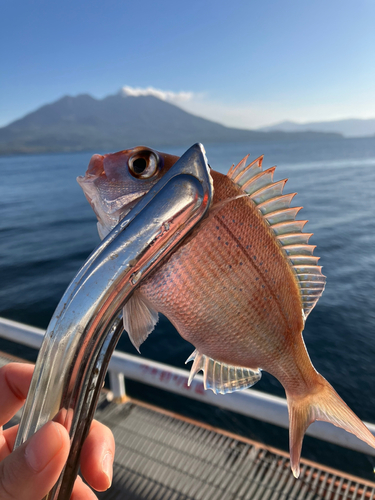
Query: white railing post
(117,386)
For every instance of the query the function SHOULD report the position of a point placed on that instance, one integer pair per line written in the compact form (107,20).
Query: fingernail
(43,446)
(108,467)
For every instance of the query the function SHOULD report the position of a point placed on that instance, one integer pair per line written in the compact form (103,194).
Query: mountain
(83,123)
(352,127)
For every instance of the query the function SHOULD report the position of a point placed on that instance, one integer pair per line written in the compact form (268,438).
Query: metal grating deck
(160,456)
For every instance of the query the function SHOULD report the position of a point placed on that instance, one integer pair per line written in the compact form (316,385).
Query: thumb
(31,470)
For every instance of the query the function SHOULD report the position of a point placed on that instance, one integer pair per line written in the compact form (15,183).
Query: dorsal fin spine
(242,169)
(299,249)
(303,259)
(229,174)
(268,192)
(276,203)
(293,226)
(259,181)
(284,215)
(238,168)
(294,238)
(308,269)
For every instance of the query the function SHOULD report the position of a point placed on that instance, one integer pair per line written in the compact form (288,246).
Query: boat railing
(250,402)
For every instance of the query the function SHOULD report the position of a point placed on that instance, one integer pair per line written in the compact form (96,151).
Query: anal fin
(220,377)
(139,319)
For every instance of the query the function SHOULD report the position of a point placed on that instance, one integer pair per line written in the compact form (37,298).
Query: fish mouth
(108,208)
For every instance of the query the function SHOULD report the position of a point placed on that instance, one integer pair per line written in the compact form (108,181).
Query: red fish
(239,288)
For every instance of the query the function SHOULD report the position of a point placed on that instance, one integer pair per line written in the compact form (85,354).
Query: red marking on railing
(145,368)
(165,376)
(199,388)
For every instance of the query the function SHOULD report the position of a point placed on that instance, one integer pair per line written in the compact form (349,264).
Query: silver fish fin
(139,319)
(276,203)
(259,181)
(284,215)
(275,208)
(102,230)
(242,172)
(294,239)
(220,377)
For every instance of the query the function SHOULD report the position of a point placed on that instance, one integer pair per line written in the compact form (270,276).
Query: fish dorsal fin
(220,377)
(275,208)
(139,319)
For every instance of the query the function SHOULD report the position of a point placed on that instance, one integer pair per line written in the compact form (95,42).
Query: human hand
(30,471)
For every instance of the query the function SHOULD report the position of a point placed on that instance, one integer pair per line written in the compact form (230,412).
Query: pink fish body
(239,288)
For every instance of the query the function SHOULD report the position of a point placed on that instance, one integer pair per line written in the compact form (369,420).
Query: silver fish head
(115,182)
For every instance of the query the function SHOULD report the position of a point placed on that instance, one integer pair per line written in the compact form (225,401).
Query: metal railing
(251,403)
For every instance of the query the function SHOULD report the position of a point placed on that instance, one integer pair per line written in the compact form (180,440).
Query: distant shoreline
(282,138)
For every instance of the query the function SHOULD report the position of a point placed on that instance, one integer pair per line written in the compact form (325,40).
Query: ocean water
(47,230)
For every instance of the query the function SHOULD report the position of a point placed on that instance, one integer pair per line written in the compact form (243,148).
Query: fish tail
(322,404)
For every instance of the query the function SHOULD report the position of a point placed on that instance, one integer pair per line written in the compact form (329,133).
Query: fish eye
(143,164)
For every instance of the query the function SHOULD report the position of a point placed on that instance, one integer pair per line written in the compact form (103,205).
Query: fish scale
(239,288)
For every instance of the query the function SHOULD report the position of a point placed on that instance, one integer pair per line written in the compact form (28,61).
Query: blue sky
(243,63)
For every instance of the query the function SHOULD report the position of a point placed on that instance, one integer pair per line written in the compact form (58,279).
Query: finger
(15,381)
(97,456)
(7,439)
(82,492)
(31,470)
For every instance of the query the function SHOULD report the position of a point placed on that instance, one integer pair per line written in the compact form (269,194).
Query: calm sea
(47,230)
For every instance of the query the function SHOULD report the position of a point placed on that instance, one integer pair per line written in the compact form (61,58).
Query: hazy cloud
(164,95)
(253,114)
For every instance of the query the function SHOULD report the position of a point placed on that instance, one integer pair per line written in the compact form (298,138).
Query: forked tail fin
(324,404)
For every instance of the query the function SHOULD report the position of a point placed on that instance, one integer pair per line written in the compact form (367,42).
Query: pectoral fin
(220,377)
(139,319)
